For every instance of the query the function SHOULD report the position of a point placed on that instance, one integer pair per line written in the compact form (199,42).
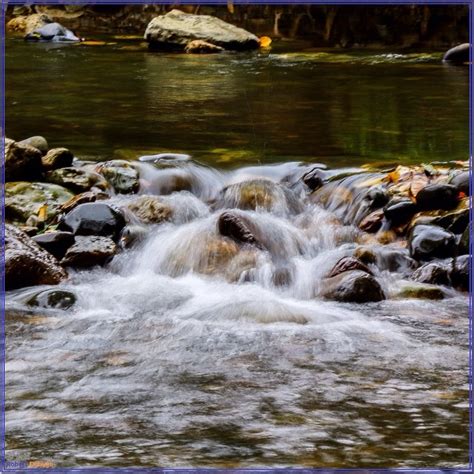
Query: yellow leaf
(265,41)
(42,212)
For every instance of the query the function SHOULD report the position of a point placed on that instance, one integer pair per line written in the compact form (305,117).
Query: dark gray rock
(437,196)
(27,264)
(93,219)
(346,264)
(176,29)
(352,287)
(433,273)
(53,299)
(89,251)
(427,242)
(399,211)
(460,273)
(461,181)
(56,243)
(38,142)
(457,55)
(22,162)
(237,228)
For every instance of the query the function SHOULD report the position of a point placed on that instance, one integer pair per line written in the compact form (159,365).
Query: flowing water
(188,351)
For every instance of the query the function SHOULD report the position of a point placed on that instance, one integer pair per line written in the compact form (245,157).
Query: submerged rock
(22,162)
(121,175)
(25,199)
(57,158)
(202,47)
(26,264)
(132,235)
(93,219)
(89,251)
(176,29)
(346,264)
(150,209)
(56,242)
(54,299)
(37,142)
(76,179)
(353,286)
(437,196)
(428,242)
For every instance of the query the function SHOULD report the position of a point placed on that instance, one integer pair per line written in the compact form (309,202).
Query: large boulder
(457,55)
(24,199)
(176,29)
(353,286)
(26,264)
(427,242)
(89,251)
(94,218)
(22,162)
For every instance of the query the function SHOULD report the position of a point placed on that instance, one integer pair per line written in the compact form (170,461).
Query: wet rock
(373,222)
(421,291)
(437,196)
(89,251)
(429,242)
(461,182)
(282,276)
(52,32)
(169,181)
(258,194)
(353,286)
(463,246)
(432,273)
(53,299)
(77,180)
(121,175)
(27,264)
(22,162)
(346,264)
(377,197)
(202,47)
(176,29)
(83,198)
(457,55)
(238,228)
(460,272)
(132,235)
(150,209)
(395,260)
(37,142)
(25,199)
(217,255)
(57,158)
(93,219)
(314,178)
(28,23)
(400,211)
(365,255)
(456,222)
(56,243)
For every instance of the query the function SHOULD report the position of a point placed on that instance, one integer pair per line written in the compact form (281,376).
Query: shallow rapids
(188,349)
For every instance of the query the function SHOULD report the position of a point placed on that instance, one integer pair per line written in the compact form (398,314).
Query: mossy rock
(421,291)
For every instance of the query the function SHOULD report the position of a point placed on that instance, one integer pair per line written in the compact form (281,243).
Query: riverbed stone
(37,142)
(461,182)
(57,158)
(427,242)
(463,246)
(400,211)
(353,286)
(22,162)
(132,235)
(346,264)
(77,180)
(55,242)
(121,175)
(372,223)
(421,291)
(53,299)
(24,199)
(238,228)
(434,273)
(26,263)
(93,219)
(150,209)
(437,196)
(89,251)
(176,29)
(460,272)
(458,54)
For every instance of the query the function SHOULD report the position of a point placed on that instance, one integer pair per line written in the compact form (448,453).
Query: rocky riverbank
(410,224)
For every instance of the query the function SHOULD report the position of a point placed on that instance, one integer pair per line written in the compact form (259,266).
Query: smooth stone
(52,32)
(432,273)
(93,219)
(372,223)
(346,264)
(89,251)
(76,179)
(421,291)
(22,162)
(202,47)
(428,242)
(377,197)
(150,209)
(121,175)
(352,287)
(176,29)
(56,242)
(132,235)
(25,199)
(314,178)
(399,212)
(37,142)
(461,181)
(83,198)
(237,228)
(57,158)
(457,55)
(460,272)
(54,299)
(437,196)
(456,221)
(26,263)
